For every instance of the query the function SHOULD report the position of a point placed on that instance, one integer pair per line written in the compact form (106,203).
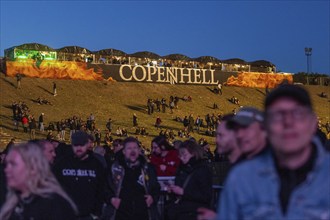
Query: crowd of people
(63,129)
(192,124)
(234,100)
(275,165)
(160,105)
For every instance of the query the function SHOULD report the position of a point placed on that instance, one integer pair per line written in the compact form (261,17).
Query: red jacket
(171,161)
(25,120)
(158,121)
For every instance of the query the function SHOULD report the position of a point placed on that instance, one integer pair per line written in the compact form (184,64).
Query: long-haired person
(193,183)
(164,157)
(33,191)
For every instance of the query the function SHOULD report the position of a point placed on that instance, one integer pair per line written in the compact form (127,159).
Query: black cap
(79,138)
(295,92)
(245,117)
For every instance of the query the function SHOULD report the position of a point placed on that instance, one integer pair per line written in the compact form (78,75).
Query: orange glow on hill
(258,80)
(53,70)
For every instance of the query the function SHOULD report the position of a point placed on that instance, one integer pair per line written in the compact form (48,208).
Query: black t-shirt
(290,179)
(84,182)
(52,207)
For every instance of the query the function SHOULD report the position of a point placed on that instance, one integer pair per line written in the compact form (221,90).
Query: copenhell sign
(138,73)
(173,75)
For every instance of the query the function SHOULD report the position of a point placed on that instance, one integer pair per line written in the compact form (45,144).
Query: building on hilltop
(112,56)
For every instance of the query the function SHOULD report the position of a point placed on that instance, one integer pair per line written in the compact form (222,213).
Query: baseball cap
(79,138)
(297,93)
(246,116)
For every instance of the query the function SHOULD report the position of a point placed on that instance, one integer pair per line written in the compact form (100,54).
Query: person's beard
(131,162)
(82,156)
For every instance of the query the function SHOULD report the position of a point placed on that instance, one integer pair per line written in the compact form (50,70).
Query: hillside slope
(120,100)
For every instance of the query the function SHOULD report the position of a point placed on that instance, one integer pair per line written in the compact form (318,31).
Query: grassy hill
(120,100)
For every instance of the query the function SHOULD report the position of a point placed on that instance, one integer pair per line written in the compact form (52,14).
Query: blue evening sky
(277,31)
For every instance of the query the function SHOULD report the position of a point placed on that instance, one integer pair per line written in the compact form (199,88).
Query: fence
(312,80)
(219,169)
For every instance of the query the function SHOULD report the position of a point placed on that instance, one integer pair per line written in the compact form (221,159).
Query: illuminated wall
(52,69)
(127,73)
(259,80)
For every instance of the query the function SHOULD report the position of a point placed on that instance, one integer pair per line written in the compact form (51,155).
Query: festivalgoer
(207,154)
(108,139)
(119,132)
(226,145)
(109,125)
(198,123)
(135,120)
(193,183)
(98,137)
(32,127)
(191,123)
(41,122)
(290,180)
(249,131)
(144,131)
(18,79)
(176,144)
(33,191)
(172,105)
(90,144)
(111,154)
(220,88)
(134,185)
(82,176)
(164,157)
(117,145)
(25,123)
(48,149)
(99,153)
(54,89)
(164,105)
(226,140)
(158,122)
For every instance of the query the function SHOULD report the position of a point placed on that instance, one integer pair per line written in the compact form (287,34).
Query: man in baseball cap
(249,131)
(290,180)
(82,176)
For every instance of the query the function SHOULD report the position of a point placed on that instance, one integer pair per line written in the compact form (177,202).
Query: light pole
(308,53)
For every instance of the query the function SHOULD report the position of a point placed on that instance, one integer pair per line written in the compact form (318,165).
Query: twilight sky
(277,31)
